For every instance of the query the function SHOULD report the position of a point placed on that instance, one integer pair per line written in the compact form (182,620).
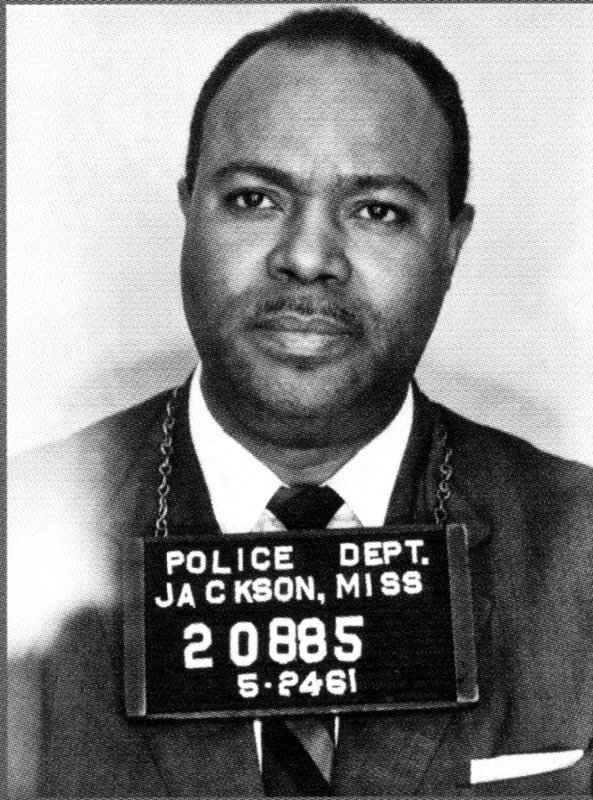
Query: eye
(386,213)
(250,200)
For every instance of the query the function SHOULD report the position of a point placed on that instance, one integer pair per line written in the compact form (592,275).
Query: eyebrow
(350,183)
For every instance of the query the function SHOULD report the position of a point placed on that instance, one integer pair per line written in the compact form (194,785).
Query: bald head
(352,29)
(348,103)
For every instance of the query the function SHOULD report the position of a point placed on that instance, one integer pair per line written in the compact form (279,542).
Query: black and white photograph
(300,368)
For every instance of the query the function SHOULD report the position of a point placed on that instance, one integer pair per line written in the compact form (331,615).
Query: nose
(310,249)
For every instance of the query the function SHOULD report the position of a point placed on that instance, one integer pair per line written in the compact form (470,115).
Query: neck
(280,447)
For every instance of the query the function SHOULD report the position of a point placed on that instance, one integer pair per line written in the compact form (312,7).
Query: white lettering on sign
(353,642)
(195,562)
(377,554)
(351,585)
(243,644)
(391,550)
(247,683)
(284,589)
(362,584)
(262,590)
(336,682)
(412,582)
(414,545)
(283,643)
(186,597)
(349,555)
(217,569)
(168,600)
(261,558)
(287,641)
(256,558)
(372,555)
(203,632)
(282,555)
(390,584)
(174,559)
(347,585)
(312,643)
(215,592)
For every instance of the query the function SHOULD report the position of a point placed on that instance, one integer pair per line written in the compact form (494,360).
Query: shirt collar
(367,480)
(240,486)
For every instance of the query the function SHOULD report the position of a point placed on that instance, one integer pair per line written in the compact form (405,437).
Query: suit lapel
(188,501)
(201,758)
(391,754)
(206,759)
(388,754)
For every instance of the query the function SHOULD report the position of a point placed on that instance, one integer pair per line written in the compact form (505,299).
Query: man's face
(318,247)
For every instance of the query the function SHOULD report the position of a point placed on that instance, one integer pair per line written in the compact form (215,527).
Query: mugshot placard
(299,622)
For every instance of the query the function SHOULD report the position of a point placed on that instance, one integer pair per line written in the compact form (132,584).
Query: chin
(311,400)
(301,394)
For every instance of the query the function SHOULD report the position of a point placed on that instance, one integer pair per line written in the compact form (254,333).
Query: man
(324,201)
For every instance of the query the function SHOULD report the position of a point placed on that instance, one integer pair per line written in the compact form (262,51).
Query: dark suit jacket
(530,517)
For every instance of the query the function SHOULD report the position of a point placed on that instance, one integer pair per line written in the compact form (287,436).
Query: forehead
(326,108)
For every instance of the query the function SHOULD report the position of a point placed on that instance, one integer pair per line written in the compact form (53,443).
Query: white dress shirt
(240,486)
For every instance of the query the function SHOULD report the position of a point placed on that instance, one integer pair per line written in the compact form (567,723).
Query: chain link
(446,473)
(161,527)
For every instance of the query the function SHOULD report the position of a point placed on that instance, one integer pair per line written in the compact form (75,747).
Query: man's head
(324,200)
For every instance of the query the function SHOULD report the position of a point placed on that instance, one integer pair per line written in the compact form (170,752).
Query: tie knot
(305,505)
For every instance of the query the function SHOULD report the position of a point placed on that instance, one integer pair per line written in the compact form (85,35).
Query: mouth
(304,336)
(294,322)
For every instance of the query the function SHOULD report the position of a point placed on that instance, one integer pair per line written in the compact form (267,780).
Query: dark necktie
(297,752)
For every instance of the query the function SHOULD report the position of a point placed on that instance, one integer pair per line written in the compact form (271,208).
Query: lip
(306,338)
(314,324)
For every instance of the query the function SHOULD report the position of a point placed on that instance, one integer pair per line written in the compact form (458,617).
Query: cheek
(401,281)
(219,262)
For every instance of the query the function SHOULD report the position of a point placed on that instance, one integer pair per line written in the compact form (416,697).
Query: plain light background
(99,104)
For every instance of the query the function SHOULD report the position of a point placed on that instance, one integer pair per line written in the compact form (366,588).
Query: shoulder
(117,434)
(107,446)
(538,506)
(494,468)
(517,483)
(501,454)
(69,503)
(86,487)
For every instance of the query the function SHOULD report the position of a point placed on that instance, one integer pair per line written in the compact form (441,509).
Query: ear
(460,230)
(184,196)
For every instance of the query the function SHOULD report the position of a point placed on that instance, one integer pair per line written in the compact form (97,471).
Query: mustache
(308,307)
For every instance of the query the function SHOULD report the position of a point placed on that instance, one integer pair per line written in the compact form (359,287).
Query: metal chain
(161,527)
(446,473)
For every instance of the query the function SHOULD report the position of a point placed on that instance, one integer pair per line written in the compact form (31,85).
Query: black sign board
(299,622)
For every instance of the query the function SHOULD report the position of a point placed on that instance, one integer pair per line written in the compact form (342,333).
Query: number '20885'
(286,641)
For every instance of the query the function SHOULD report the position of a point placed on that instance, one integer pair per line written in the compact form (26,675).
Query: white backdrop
(99,103)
